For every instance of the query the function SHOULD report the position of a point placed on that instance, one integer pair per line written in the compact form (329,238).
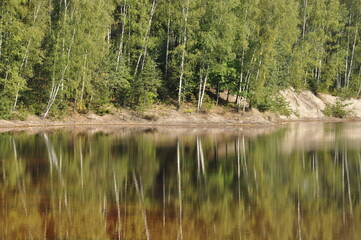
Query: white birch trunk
(299,219)
(185,13)
(180,231)
(245,165)
(319,70)
(117,201)
(346,62)
(139,189)
(120,50)
(108,36)
(204,88)
(348,183)
(164,201)
(352,55)
(22,66)
(248,79)
(25,58)
(240,84)
(143,53)
(150,24)
(200,157)
(305,4)
(343,189)
(168,39)
(83,80)
(239,92)
(200,88)
(359,75)
(55,87)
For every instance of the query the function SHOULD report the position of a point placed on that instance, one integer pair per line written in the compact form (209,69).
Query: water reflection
(298,181)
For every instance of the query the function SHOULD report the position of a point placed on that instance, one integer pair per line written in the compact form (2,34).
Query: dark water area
(295,181)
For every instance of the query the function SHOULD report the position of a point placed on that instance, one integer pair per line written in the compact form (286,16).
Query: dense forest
(86,55)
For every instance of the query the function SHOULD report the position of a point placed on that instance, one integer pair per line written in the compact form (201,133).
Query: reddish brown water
(299,181)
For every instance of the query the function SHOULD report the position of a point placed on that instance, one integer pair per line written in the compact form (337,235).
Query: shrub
(276,104)
(281,106)
(207,104)
(336,110)
(104,109)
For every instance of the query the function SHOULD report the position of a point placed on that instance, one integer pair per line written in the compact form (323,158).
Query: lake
(294,181)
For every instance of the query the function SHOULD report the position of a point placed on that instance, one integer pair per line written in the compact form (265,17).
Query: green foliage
(337,110)
(86,54)
(275,103)
(208,104)
(281,106)
(20,114)
(104,109)
(144,87)
(5,106)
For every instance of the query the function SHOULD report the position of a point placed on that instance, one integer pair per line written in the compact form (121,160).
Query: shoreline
(143,123)
(302,107)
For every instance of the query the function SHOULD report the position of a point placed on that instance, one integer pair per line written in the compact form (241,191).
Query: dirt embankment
(157,116)
(307,106)
(304,106)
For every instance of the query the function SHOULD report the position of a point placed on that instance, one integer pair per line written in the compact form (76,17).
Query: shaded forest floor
(303,106)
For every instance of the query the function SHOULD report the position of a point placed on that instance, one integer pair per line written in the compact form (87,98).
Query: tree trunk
(238,100)
(305,4)
(185,13)
(218,86)
(120,50)
(25,58)
(139,189)
(55,88)
(143,53)
(200,157)
(168,37)
(180,231)
(117,201)
(359,75)
(352,55)
(164,200)
(22,66)
(248,79)
(348,182)
(347,56)
(319,72)
(204,86)
(200,87)
(83,80)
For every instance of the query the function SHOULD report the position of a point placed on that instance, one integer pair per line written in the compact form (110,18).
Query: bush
(207,104)
(104,109)
(336,110)
(20,114)
(276,104)
(150,116)
(281,106)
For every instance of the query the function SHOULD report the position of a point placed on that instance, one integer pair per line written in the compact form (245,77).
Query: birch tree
(185,11)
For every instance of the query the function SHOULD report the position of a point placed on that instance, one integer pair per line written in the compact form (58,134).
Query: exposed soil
(156,116)
(304,105)
(307,106)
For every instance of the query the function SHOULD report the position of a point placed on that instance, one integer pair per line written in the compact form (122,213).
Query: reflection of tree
(64,186)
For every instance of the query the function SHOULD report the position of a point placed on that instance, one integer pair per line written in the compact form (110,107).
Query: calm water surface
(296,181)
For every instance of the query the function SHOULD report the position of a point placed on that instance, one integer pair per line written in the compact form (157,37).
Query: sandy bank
(304,105)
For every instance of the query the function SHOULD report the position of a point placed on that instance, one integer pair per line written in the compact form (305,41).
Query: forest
(64,56)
